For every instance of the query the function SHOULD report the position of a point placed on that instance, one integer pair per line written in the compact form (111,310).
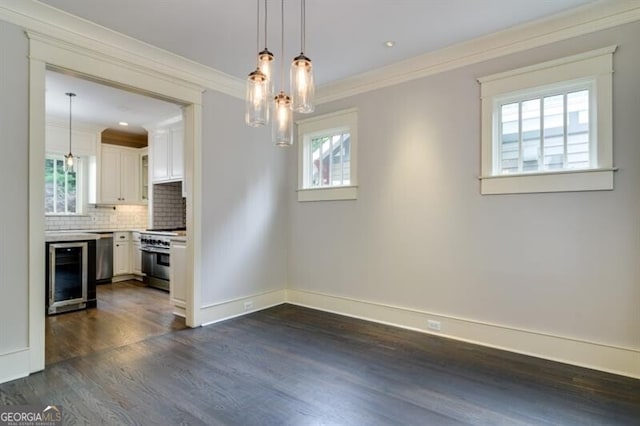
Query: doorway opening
(49,54)
(109,193)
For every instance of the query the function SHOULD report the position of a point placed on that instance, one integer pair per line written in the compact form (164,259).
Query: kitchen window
(62,191)
(327,157)
(547,128)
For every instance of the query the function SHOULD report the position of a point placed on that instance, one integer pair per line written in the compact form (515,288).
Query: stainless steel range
(154,248)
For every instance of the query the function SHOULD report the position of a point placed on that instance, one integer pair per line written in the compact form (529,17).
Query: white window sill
(65,215)
(337,193)
(561,181)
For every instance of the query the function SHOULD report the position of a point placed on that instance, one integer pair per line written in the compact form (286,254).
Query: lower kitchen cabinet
(121,253)
(136,255)
(178,276)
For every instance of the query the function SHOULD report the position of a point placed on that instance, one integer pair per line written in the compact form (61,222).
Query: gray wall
(421,235)
(14,188)
(244,226)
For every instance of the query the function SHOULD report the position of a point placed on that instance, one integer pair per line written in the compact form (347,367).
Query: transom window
(327,162)
(548,127)
(61,190)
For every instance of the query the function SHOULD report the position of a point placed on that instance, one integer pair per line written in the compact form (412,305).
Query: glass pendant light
(283,120)
(257,102)
(257,96)
(69,159)
(282,129)
(265,58)
(302,87)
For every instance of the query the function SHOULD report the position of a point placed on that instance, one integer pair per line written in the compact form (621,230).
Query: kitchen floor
(127,312)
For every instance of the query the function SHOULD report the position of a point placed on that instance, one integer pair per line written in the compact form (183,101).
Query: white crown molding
(595,17)
(57,27)
(61,28)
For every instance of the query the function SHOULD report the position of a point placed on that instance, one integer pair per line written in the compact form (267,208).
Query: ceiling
(103,106)
(344,38)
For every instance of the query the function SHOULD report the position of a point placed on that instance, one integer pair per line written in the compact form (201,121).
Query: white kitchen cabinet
(121,253)
(120,175)
(167,153)
(160,155)
(136,255)
(177,153)
(144,175)
(178,276)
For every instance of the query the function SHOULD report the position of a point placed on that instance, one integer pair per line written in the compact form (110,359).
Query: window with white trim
(547,128)
(326,157)
(62,191)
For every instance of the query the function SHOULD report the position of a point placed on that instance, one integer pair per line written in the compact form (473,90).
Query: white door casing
(48,52)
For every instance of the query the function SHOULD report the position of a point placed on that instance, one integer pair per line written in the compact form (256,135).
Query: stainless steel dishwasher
(104,258)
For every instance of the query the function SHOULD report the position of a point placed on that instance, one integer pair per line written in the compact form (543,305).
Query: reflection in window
(545,133)
(330,160)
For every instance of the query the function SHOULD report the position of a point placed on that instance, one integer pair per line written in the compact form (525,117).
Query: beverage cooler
(70,275)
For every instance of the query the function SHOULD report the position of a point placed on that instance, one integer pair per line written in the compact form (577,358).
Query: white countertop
(167,233)
(55,236)
(92,234)
(91,231)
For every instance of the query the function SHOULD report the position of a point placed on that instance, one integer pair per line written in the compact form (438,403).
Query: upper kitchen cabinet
(166,143)
(144,174)
(120,175)
(122,164)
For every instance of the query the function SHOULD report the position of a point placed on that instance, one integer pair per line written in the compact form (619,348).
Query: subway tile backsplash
(169,208)
(101,217)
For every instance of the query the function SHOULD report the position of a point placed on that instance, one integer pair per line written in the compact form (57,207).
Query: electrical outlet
(248,305)
(434,325)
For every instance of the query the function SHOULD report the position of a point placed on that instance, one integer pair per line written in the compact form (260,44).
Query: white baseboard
(612,359)
(120,278)
(210,314)
(14,365)
(597,356)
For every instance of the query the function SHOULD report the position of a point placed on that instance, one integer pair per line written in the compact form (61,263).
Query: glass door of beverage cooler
(68,276)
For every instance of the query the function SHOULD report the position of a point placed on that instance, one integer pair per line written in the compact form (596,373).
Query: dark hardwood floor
(295,366)
(127,312)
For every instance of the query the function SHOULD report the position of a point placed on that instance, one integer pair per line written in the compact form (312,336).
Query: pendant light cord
(265,24)
(70,96)
(258,28)
(303,30)
(282,46)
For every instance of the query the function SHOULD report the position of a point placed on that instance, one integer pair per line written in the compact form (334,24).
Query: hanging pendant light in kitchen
(69,159)
(302,87)
(282,129)
(258,95)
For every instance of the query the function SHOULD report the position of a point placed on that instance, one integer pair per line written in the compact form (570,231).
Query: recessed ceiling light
(123,123)
(389,43)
